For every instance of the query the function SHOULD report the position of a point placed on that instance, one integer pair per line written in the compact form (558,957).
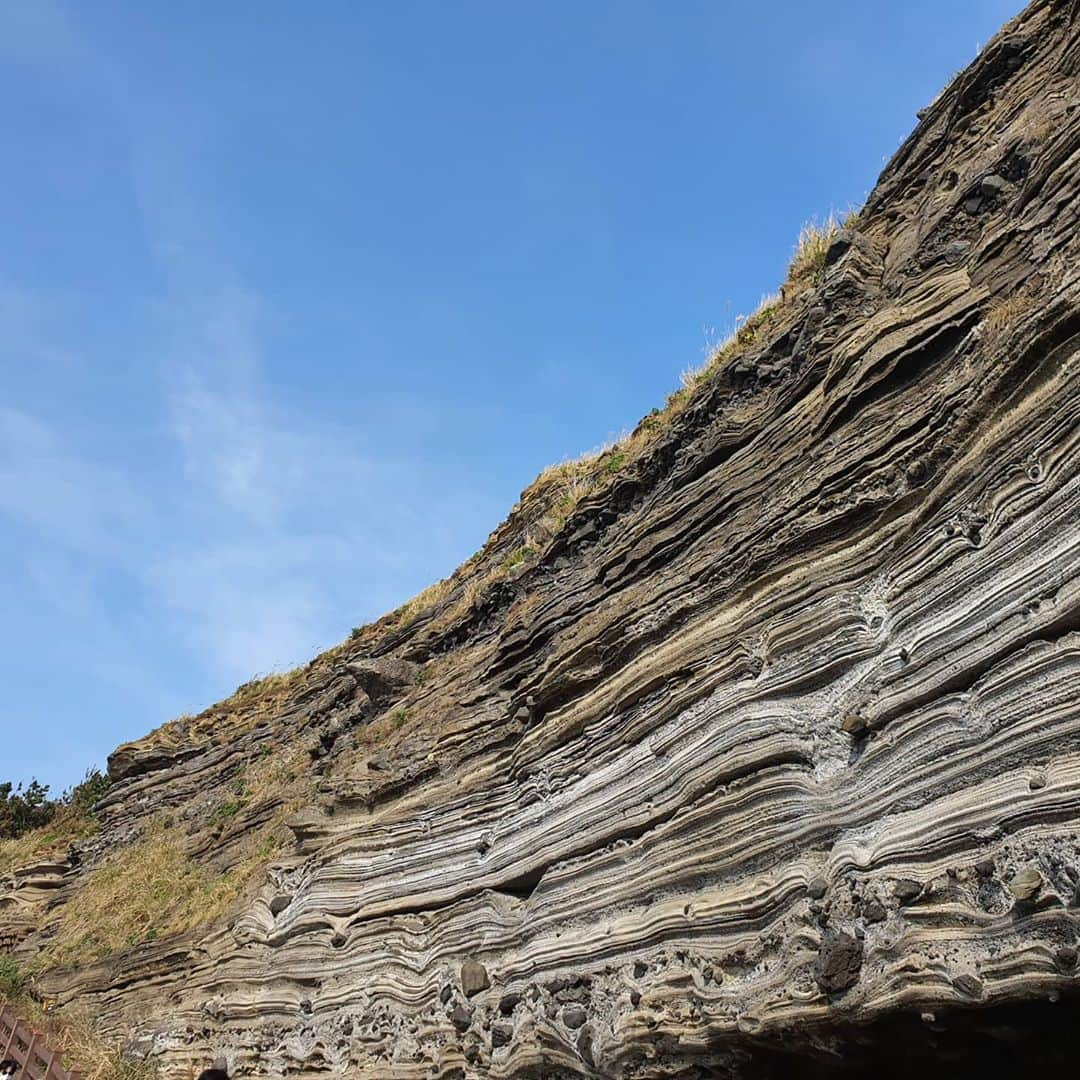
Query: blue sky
(296,298)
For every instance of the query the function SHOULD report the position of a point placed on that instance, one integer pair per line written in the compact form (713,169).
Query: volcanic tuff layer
(780,734)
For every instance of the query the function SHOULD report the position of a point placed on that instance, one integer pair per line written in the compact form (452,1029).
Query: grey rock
(1026,884)
(279,903)
(906,890)
(585,1046)
(474,978)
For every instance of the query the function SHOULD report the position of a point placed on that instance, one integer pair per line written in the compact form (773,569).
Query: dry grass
(79,1045)
(250,703)
(746,331)
(148,890)
(47,842)
(1002,316)
(556,493)
(810,250)
(432,595)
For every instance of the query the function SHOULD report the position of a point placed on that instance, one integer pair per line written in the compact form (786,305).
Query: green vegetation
(33,826)
(230,809)
(22,810)
(518,556)
(612,462)
(11,981)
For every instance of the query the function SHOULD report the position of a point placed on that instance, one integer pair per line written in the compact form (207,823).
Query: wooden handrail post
(28,1061)
(8,1017)
(29,1049)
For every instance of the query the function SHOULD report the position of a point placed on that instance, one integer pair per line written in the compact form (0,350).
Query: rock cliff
(763,741)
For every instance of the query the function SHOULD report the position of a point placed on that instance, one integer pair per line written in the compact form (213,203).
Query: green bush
(10,977)
(23,809)
(83,797)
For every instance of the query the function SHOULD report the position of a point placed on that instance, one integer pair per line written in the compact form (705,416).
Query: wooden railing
(28,1048)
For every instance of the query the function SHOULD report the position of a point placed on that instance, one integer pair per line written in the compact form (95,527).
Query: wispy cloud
(79,503)
(169,540)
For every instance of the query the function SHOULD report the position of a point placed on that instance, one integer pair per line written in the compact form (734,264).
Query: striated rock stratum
(750,748)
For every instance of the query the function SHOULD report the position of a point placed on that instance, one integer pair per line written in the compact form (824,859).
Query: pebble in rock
(839,962)
(474,978)
(460,1017)
(574,1016)
(1026,884)
(874,912)
(907,890)
(817,888)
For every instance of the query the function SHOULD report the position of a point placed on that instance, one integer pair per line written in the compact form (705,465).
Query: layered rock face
(775,747)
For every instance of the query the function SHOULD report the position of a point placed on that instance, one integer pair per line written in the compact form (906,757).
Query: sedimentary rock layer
(779,735)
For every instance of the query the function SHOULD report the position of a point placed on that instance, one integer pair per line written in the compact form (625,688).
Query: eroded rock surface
(779,736)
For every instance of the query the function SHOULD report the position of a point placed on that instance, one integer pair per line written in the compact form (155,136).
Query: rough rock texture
(779,736)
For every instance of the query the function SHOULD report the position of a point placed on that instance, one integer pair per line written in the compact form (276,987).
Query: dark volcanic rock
(838,963)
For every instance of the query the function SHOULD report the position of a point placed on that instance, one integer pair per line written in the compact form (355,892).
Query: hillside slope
(759,727)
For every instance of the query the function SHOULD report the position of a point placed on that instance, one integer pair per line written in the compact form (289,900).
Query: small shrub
(752,325)
(24,809)
(518,556)
(230,809)
(613,463)
(398,717)
(83,797)
(11,982)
